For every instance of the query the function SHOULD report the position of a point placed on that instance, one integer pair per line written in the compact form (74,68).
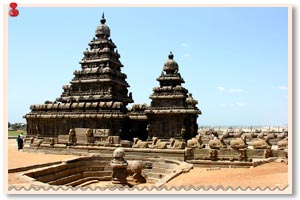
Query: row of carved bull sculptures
(251,133)
(158,144)
(215,142)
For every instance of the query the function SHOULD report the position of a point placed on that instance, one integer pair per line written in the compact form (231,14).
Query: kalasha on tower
(96,97)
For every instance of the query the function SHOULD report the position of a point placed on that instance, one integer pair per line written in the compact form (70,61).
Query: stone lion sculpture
(137,143)
(196,142)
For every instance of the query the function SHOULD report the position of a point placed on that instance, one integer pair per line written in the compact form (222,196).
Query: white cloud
(187,55)
(184,44)
(235,90)
(220,88)
(282,87)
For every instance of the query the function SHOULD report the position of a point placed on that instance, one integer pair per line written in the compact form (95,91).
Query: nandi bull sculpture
(239,143)
(217,143)
(137,143)
(195,142)
(158,144)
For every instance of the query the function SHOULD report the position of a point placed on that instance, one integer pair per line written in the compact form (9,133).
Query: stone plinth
(119,167)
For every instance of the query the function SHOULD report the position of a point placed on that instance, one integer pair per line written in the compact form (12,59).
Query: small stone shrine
(173,112)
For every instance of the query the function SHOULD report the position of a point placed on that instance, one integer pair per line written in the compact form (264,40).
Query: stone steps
(53,176)
(79,178)
(94,168)
(83,181)
(96,174)
(65,180)
(97,163)
(160,170)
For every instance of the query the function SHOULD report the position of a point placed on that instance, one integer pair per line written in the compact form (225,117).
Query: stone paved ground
(267,175)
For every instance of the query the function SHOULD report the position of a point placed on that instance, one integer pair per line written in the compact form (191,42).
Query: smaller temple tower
(173,111)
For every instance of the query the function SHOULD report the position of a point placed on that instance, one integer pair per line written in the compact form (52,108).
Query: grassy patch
(16,133)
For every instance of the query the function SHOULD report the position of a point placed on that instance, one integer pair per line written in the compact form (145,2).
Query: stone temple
(92,118)
(97,98)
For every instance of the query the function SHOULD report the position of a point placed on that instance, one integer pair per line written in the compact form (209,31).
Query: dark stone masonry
(97,99)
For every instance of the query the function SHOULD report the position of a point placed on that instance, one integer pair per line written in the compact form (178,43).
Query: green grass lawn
(16,133)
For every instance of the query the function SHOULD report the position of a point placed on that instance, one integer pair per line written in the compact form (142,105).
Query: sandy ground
(267,175)
(270,175)
(18,159)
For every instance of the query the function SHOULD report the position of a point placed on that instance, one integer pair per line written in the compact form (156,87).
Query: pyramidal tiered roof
(99,85)
(100,77)
(171,96)
(173,112)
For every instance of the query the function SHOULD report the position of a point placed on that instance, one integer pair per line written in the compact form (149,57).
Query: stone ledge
(20,169)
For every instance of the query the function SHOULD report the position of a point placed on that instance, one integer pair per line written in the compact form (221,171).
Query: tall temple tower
(96,97)
(173,112)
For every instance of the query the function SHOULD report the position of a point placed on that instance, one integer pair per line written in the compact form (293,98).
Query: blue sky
(233,60)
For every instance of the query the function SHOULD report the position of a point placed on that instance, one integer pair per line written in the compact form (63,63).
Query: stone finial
(170,66)
(103,20)
(171,56)
(103,30)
